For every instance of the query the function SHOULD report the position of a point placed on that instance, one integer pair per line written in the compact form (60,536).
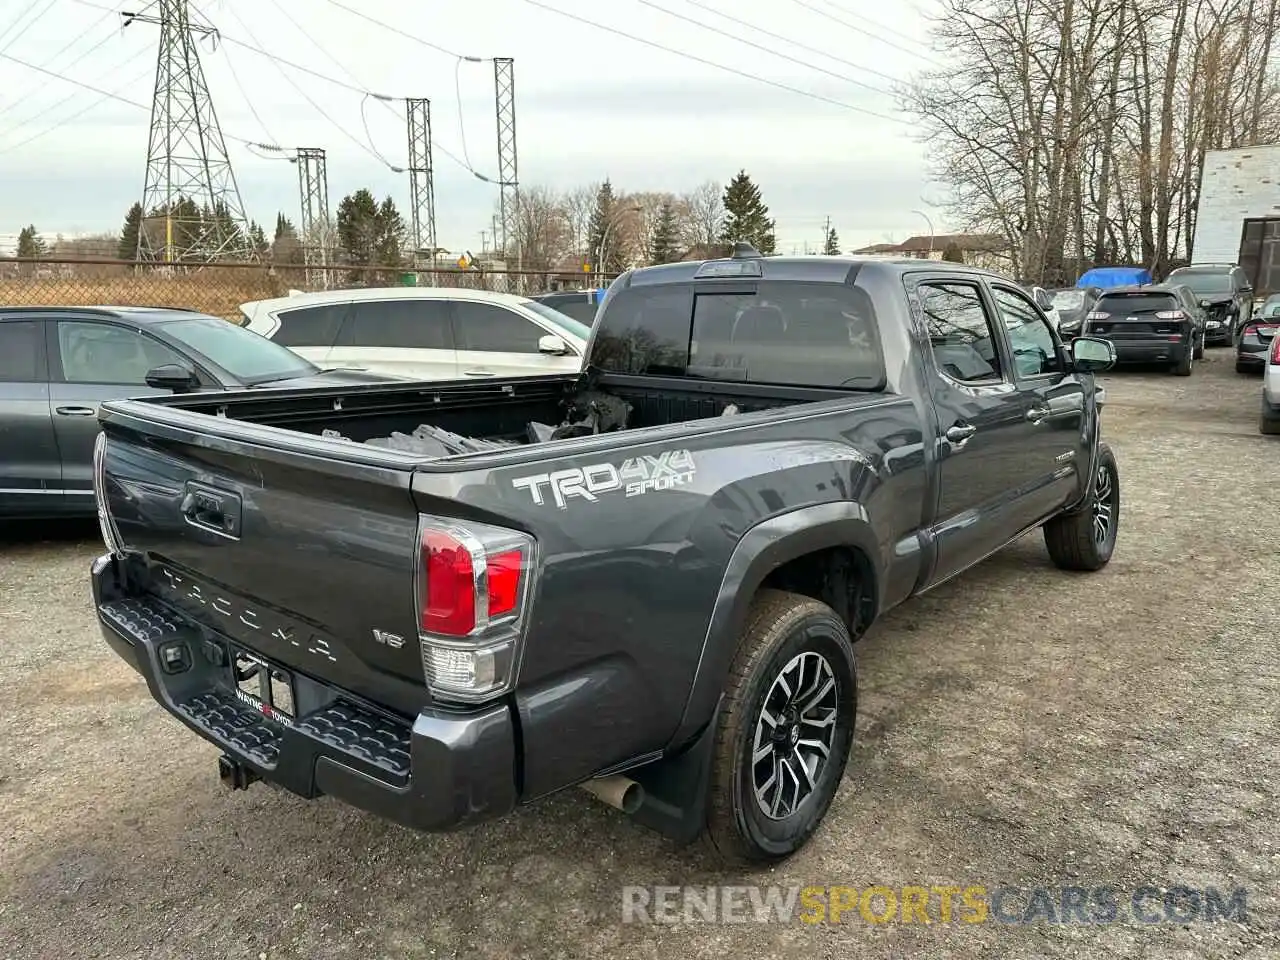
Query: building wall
(1236,185)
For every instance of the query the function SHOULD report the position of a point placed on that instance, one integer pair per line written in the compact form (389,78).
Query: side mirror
(553,345)
(171,376)
(1092,355)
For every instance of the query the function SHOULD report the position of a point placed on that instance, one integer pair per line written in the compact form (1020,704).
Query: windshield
(250,358)
(568,324)
(1204,283)
(1068,299)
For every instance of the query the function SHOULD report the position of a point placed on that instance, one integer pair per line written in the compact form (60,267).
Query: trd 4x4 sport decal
(635,476)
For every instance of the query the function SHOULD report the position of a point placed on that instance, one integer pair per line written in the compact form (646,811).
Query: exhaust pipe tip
(621,793)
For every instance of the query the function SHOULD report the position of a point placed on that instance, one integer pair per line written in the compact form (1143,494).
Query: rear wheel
(1199,353)
(1086,538)
(1183,367)
(784,732)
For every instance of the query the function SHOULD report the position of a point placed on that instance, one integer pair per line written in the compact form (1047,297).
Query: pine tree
(285,245)
(30,243)
(601,231)
(128,247)
(746,216)
(665,245)
(832,248)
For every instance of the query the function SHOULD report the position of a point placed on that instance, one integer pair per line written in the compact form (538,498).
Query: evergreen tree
(285,246)
(369,233)
(128,247)
(602,230)
(832,248)
(30,243)
(953,253)
(746,216)
(665,245)
(258,239)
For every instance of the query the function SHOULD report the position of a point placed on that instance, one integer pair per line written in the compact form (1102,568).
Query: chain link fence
(220,288)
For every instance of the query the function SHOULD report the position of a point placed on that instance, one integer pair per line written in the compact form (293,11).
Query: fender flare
(762,549)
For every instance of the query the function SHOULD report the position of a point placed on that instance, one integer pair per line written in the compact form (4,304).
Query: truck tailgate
(284,549)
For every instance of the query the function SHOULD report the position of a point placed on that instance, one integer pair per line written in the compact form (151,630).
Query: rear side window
(20,351)
(401,324)
(490,329)
(1137,303)
(310,326)
(790,334)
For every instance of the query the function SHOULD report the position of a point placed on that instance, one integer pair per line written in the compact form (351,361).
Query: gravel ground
(1019,726)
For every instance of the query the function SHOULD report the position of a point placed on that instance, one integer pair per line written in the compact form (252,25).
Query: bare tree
(578,204)
(542,230)
(702,213)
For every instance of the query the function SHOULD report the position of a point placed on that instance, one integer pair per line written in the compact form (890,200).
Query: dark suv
(1225,292)
(1157,324)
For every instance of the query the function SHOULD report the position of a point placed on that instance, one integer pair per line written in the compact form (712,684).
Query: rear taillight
(474,583)
(1275,350)
(1095,315)
(1249,328)
(107,526)
(1170,315)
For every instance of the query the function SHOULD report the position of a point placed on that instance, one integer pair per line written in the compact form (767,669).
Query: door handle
(959,434)
(478,373)
(1037,413)
(76,411)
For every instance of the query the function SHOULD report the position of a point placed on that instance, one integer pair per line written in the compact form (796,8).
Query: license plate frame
(265,687)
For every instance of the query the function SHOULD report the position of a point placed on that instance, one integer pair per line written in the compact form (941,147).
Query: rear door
(30,468)
(494,341)
(410,337)
(1051,434)
(92,360)
(980,418)
(311,331)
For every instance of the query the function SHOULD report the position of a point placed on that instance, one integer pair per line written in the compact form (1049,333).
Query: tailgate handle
(215,510)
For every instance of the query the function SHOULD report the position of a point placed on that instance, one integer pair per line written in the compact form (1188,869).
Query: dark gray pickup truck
(438,601)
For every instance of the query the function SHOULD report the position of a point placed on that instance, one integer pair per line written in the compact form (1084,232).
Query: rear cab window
(1134,304)
(785,333)
(21,351)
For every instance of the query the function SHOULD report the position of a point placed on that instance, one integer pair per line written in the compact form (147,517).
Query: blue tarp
(1107,277)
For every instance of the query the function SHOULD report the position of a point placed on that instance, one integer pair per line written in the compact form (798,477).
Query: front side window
(1034,351)
(106,353)
(490,329)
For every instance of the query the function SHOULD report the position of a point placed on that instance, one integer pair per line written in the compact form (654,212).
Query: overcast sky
(590,104)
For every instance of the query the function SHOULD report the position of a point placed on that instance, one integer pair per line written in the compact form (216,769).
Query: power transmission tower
(190,200)
(313,224)
(504,82)
(422,190)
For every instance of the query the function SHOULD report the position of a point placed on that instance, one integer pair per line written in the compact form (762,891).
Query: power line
(875,23)
(711,63)
(93,104)
(67,46)
(30,23)
(760,46)
(795,43)
(45,110)
(862,30)
(403,33)
(109,95)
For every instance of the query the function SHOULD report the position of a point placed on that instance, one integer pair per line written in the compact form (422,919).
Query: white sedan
(426,333)
(1269,418)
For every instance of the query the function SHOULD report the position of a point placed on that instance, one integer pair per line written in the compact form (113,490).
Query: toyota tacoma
(438,601)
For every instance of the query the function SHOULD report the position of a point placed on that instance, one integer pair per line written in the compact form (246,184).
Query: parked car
(1044,300)
(579,304)
(57,364)
(1269,307)
(658,602)
(1156,324)
(1269,418)
(1225,293)
(1255,343)
(427,333)
(1072,303)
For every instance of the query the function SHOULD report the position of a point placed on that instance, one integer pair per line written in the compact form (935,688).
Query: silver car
(1269,419)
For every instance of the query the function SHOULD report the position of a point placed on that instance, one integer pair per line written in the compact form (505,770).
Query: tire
(1199,353)
(1072,538)
(1268,427)
(1183,367)
(781,629)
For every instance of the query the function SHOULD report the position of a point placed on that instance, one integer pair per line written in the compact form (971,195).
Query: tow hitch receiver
(233,774)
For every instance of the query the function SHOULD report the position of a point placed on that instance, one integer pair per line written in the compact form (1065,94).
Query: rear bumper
(1149,350)
(1253,359)
(439,772)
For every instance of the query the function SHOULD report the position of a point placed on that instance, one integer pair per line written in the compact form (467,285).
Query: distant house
(987,250)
